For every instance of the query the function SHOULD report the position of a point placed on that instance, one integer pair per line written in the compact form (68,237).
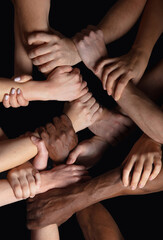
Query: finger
(20,98)
(85,97)
(83,92)
(83,85)
(78,38)
(39,37)
(124,79)
(95,108)
(61,70)
(146,173)
(112,77)
(90,102)
(104,62)
(48,66)
(75,167)
(23,78)
(50,128)
(5,101)
(157,168)
(129,163)
(79,173)
(37,179)
(15,184)
(24,186)
(32,185)
(12,98)
(43,134)
(40,50)
(137,171)
(74,154)
(107,70)
(40,60)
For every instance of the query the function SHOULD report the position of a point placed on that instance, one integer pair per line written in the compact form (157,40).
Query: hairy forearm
(120,18)
(147,115)
(150,27)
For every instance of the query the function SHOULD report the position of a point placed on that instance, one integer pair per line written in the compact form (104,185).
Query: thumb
(23,78)
(74,155)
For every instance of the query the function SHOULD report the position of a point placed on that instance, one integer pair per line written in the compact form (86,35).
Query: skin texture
(63,84)
(143,163)
(83,111)
(65,204)
(136,105)
(55,50)
(59,137)
(97,223)
(88,152)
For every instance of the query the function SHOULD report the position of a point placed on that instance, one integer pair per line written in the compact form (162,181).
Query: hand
(111,126)
(117,72)
(65,84)
(15,98)
(25,180)
(59,137)
(143,163)
(55,50)
(83,111)
(91,46)
(41,159)
(62,176)
(54,206)
(88,152)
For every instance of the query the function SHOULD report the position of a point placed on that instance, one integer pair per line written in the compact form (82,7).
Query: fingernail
(18,91)
(140,185)
(33,138)
(6,97)
(13,91)
(133,187)
(17,79)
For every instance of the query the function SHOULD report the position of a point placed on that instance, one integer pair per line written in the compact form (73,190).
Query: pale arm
(14,152)
(32,90)
(120,18)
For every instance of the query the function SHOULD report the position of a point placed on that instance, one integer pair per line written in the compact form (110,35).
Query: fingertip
(35,139)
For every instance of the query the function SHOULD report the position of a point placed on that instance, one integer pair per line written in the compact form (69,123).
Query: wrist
(34,90)
(142,51)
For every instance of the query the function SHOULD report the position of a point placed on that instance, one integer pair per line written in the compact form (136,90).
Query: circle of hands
(54,57)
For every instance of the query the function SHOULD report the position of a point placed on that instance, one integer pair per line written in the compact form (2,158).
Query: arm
(120,18)
(147,115)
(29,16)
(14,152)
(63,84)
(150,27)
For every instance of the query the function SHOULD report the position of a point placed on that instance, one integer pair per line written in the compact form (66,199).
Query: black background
(138,217)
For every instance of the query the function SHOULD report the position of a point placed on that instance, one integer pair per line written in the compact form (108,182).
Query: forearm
(143,112)
(14,152)
(32,16)
(150,27)
(32,90)
(109,185)
(120,18)
(7,195)
(29,16)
